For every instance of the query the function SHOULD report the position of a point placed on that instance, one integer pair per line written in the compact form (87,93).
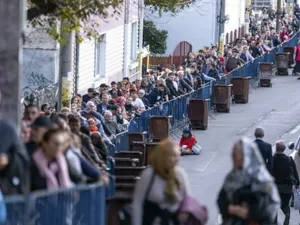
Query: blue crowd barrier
(86,204)
(178,107)
(78,205)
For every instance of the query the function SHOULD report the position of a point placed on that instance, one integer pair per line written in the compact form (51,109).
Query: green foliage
(77,15)
(83,15)
(157,39)
(168,5)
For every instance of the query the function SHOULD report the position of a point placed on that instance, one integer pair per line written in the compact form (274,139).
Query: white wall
(113,56)
(86,67)
(195,25)
(236,10)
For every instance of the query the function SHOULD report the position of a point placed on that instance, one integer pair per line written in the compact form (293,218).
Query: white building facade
(116,55)
(95,62)
(198,24)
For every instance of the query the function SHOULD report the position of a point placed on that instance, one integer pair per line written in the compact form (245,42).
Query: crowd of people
(70,147)
(255,189)
(87,129)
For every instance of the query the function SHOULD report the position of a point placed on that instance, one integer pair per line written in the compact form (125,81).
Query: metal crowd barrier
(78,205)
(86,204)
(178,107)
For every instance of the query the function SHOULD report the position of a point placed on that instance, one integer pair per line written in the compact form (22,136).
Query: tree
(155,38)
(83,15)
(168,5)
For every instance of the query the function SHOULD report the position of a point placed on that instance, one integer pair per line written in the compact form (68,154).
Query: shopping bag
(297,199)
(196,149)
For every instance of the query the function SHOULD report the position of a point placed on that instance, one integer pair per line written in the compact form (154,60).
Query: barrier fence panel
(80,205)
(178,107)
(86,204)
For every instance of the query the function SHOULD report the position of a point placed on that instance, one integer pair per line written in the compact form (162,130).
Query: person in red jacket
(284,35)
(188,143)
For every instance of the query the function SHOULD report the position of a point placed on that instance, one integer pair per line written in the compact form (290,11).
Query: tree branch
(41,8)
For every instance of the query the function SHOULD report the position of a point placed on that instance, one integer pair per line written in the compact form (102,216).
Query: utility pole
(221,21)
(278,16)
(66,71)
(141,23)
(12,21)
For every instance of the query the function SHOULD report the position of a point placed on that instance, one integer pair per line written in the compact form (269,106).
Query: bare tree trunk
(11,26)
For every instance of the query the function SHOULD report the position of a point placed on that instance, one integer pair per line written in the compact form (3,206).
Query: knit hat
(186,130)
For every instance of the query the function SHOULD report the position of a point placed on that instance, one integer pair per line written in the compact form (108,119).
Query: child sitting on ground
(188,143)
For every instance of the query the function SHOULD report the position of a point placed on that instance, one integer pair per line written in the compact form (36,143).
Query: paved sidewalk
(276,109)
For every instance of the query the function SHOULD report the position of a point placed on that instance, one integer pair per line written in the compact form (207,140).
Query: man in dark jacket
(87,149)
(89,95)
(232,61)
(183,83)
(171,86)
(254,51)
(104,105)
(158,95)
(286,176)
(264,148)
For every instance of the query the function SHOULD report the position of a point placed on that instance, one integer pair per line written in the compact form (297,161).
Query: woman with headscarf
(161,189)
(249,195)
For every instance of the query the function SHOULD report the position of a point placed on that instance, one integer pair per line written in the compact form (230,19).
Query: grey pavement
(276,109)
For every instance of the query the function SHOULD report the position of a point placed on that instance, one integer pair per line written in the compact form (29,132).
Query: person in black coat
(286,176)
(254,51)
(170,85)
(158,95)
(183,83)
(264,148)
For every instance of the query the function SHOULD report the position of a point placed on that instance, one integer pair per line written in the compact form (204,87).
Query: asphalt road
(275,109)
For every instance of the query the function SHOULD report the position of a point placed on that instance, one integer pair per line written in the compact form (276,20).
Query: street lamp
(221,21)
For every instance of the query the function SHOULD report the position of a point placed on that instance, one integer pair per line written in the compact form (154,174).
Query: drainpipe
(141,23)
(126,37)
(76,66)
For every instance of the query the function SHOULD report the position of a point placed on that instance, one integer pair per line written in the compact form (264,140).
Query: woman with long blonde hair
(161,189)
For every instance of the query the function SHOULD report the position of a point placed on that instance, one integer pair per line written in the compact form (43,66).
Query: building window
(100,56)
(134,41)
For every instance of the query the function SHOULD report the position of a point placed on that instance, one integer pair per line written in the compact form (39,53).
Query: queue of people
(70,147)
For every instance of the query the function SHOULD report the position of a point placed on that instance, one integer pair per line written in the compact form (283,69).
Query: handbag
(297,199)
(198,214)
(196,149)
